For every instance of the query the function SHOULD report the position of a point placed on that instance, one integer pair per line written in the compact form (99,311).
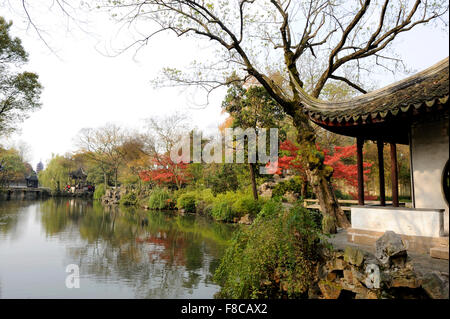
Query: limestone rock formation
(353,256)
(265,189)
(390,249)
(113,195)
(389,273)
(246,220)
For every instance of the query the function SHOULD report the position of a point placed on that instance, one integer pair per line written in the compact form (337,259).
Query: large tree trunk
(253,178)
(333,215)
(319,176)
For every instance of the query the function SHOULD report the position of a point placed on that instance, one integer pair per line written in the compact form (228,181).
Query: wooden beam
(394,175)
(380,146)
(359,154)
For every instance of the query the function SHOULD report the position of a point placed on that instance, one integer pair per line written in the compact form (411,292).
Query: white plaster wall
(411,222)
(430,152)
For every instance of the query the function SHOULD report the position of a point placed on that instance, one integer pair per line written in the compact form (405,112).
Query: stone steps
(441,251)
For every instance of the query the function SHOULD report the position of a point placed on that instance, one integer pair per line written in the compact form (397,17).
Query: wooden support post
(394,175)
(380,146)
(359,153)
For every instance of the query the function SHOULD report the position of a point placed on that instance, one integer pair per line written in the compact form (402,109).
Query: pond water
(120,253)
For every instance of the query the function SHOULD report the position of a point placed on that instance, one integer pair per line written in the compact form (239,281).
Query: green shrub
(292,185)
(100,191)
(129,199)
(205,195)
(230,205)
(273,258)
(195,201)
(223,211)
(248,205)
(203,201)
(205,209)
(222,207)
(271,209)
(187,202)
(160,199)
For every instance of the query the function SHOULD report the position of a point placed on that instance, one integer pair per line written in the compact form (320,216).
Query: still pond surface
(121,253)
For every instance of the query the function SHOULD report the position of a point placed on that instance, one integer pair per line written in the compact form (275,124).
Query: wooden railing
(347,203)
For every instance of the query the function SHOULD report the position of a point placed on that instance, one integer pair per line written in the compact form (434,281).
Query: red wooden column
(359,164)
(380,146)
(394,175)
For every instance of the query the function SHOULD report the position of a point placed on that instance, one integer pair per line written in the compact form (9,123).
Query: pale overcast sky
(83,88)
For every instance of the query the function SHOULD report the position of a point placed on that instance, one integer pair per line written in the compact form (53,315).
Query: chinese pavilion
(415,112)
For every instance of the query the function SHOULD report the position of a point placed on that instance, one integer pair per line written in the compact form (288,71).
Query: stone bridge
(21,193)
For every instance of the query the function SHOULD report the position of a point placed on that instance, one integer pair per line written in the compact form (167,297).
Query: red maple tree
(165,171)
(342,171)
(338,160)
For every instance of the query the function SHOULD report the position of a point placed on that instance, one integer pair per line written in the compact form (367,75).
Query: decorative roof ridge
(315,105)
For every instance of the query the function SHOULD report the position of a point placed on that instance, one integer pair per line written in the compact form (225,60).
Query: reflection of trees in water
(159,255)
(10,216)
(57,215)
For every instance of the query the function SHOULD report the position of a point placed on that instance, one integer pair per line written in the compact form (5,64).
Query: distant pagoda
(39,167)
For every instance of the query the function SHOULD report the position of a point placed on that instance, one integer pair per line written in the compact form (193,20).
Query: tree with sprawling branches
(162,136)
(19,90)
(345,39)
(104,146)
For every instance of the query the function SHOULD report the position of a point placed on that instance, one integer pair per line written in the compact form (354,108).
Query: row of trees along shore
(113,156)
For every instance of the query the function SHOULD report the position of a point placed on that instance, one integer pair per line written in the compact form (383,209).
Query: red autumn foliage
(292,160)
(342,171)
(165,171)
(337,160)
(165,243)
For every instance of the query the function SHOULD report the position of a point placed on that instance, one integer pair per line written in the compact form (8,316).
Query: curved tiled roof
(427,90)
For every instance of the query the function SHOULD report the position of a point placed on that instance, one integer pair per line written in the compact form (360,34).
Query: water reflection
(9,217)
(121,252)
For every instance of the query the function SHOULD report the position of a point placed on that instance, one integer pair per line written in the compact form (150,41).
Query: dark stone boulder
(390,250)
(435,286)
